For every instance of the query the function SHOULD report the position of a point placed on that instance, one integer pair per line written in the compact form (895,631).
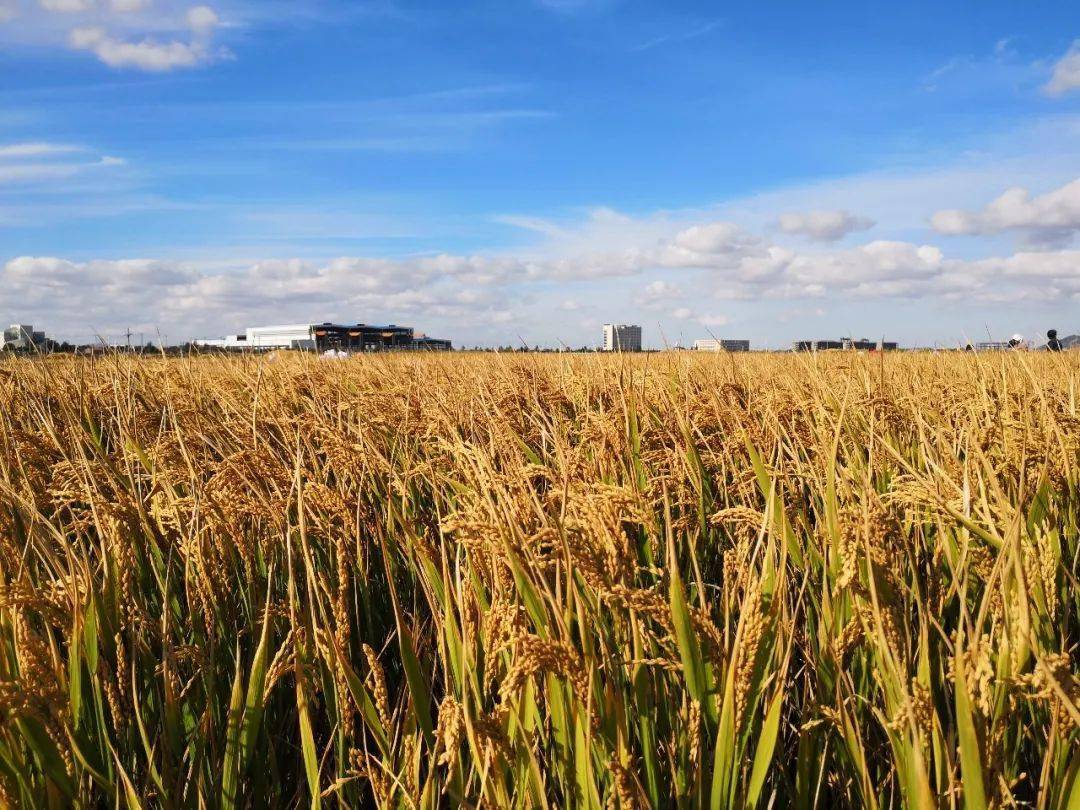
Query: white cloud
(125,34)
(67,6)
(193,299)
(1047,218)
(694,32)
(202,19)
(8,10)
(573,6)
(35,149)
(1060,267)
(25,173)
(879,269)
(659,291)
(823,226)
(147,54)
(1066,75)
(715,238)
(713,320)
(179,296)
(41,163)
(36,173)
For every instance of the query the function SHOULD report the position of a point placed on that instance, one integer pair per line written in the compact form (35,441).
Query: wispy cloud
(42,162)
(991,70)
(681,36)
(35,149)
(575,6)
(32,173)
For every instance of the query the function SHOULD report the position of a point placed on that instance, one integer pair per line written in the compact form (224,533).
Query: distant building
(431,344)
(844,344)
(21,337)
(992,346)
(714,345)
(328,336)
(622,337)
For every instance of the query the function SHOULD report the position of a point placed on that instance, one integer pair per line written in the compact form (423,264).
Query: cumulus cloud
(1047,218)
(823,226)
(1057,266)
(659,291)
(1066,75)
(202,19)
(181,296)
(715,238)
(878,269)
(682,274)
(203,300)
(127,34)
(145,55)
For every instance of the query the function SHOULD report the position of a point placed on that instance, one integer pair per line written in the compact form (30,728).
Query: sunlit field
(541,581)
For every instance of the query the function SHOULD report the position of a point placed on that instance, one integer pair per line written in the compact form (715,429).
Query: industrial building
(714,345)
(622,337)
(321,337)
(21,337)
(844,344)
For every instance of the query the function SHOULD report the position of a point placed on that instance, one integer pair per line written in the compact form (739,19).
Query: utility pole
(127,334)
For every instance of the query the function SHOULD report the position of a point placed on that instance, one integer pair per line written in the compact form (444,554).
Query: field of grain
(540,581)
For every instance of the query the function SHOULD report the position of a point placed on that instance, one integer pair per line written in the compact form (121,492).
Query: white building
(622,337)
(293,336)
(714,345)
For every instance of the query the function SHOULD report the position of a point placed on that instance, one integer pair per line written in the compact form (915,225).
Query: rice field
(541,581)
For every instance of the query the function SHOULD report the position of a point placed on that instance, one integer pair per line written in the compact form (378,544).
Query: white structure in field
(714,345)
(293,336)
(622,337)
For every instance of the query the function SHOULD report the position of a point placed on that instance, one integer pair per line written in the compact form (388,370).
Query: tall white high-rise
(622,337)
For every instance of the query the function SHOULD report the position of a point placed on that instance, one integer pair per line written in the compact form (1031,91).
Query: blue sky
(529,169)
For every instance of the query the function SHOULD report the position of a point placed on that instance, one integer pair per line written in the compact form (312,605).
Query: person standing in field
(1052,342)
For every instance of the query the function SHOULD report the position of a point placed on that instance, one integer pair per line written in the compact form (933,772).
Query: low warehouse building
(714,345)
(328,336)
(844,344)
